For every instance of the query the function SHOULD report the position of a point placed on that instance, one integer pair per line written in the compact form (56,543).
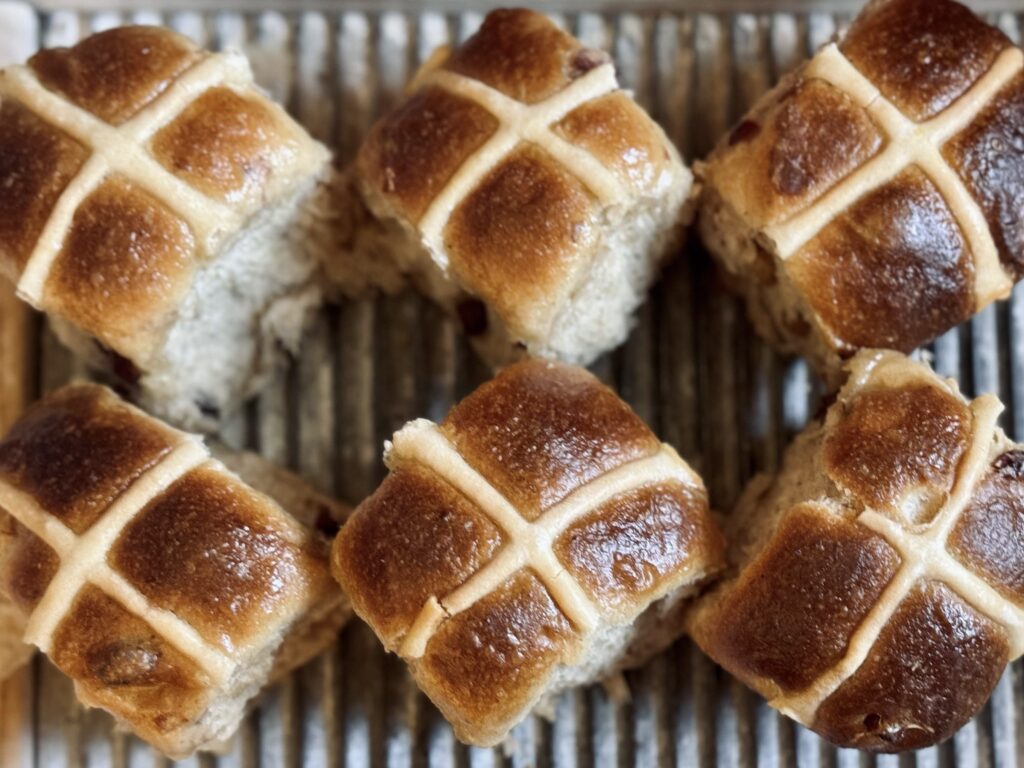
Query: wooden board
(18,36)
(15,383)
(15,356)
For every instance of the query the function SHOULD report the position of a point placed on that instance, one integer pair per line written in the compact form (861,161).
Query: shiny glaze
(126,261)
(921,54)
(518,238)
(541,430)
(791,615)
(218,556)
(227,145)
(414,538)
(489,662)
(114,74)
(536,432)
(77,450)
(820,137)
(799,142)
(617,131)
(989,537)
(989,155)
(37,161)
(892,271)
(632,546)
(931,669)
(888,444)
(523,55)
(412,152)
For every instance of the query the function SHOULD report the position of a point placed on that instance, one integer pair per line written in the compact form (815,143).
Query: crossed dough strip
(923,555)
(909,143)
(530,544)
(122,150)
(520,122)
(83,560)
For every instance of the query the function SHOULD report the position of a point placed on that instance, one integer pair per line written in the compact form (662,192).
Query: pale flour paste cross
(908,143)
(519,122)
(83,560)
(923,555)
(528,544)
(122,150)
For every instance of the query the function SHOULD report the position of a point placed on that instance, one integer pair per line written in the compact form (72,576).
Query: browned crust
(485,666)
(78,450)
(989,155)
(892,271)
(227,145)
(922,54)
(414,538)
(115,74)
(798,142)
(790,615)
(521,235)
(616,130)
(126,262)
(37,161)
(221,557)
(16,350)
(27,564)
(635,547)
(888,444)
(932,668)
(120,664)
(411,153)
(522,54)
(987,538)
(541,430)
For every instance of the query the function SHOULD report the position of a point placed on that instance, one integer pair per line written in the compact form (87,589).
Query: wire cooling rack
(692,368)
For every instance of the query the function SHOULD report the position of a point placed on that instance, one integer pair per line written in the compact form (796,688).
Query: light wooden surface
(15,381)
(15,362)
(18,36)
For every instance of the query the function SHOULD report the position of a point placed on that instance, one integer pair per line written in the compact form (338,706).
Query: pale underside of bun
(598,315)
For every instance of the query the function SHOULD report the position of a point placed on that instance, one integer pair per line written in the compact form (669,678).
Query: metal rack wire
(692,368)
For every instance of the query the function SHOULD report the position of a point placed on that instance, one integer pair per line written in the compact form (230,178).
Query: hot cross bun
(163,212)
(166,588)
(539,537)
(522,190)
(874,198)
(874,591)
